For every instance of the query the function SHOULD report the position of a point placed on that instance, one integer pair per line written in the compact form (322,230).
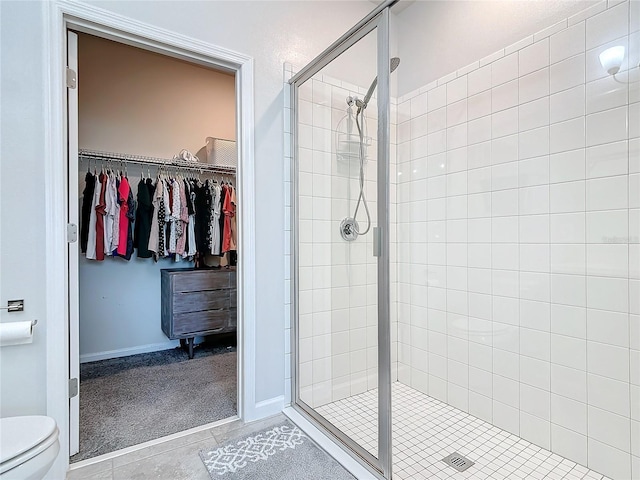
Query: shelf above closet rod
(142,160)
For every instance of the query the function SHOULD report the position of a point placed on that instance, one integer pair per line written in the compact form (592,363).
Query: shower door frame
(377,20)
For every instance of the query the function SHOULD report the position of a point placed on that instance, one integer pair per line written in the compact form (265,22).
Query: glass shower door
(341,329)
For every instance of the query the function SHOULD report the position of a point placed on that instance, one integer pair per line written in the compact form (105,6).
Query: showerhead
(395,61)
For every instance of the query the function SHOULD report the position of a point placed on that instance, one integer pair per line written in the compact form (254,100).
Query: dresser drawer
(233,318)
(200,322)
(199,301)
(195,281)
(233,298)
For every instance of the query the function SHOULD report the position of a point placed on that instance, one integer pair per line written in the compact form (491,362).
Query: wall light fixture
(611,59)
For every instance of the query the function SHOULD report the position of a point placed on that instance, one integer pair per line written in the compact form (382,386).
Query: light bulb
(611,59)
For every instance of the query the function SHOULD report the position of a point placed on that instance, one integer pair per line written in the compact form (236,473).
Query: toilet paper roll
(16,333)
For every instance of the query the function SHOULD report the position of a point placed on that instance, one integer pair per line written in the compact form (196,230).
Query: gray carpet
(130,400)
(282,452)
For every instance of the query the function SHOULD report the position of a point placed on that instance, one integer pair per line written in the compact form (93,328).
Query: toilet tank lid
(21,434)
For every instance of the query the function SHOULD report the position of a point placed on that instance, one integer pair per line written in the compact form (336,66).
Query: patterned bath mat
(283,452)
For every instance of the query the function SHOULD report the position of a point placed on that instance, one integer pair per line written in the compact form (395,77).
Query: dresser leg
(190,339)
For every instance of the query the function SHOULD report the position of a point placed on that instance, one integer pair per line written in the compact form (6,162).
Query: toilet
(28,447)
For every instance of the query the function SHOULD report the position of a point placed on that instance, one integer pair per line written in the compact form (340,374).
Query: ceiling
(398,7)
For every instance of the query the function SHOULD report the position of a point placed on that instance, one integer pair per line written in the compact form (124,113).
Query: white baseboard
(125,352)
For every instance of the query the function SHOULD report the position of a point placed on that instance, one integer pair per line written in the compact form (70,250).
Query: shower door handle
(377,243)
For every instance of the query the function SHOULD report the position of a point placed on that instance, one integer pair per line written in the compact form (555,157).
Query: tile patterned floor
(426,430)
(175,459)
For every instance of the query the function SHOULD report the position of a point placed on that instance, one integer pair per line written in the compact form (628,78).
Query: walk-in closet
(156,249)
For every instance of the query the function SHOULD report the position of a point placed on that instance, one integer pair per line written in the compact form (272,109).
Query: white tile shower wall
(337,280)
(518,240)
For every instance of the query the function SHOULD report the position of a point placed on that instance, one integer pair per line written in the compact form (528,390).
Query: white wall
(439,37)
(138,102)
(22,368)
(518,210)
(289,31)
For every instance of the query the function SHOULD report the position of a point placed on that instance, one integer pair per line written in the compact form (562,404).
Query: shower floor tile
(426,430)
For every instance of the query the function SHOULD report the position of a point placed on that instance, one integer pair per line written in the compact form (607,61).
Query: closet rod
(142,160)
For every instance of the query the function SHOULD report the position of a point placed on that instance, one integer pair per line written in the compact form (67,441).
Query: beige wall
(139,102)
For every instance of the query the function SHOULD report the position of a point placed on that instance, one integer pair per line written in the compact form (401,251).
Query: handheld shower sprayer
(395,61)
(349,227)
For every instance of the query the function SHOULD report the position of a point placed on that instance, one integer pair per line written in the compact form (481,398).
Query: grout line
(586,292)
(550,252)
(629,248)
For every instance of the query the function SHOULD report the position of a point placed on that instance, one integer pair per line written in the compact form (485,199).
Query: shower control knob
(351,101)
(349,229)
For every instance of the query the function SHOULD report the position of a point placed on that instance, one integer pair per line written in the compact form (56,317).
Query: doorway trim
(61,15)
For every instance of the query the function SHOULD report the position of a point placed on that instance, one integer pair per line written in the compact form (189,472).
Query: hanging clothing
(233,258)
(100,211)
(143,221)
(209,196)
(85,216)
(183,220)
(131,208)
(216,239)
(154,235)
(234,237)
(111,202)
(167,199)
(123,196)
(223,197)
(175,229)
(115,237)
(202,216)
(191,229)
(93,221)
(229,209)
(173,218)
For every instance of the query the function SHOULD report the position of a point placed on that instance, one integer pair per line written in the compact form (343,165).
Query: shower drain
(457,461)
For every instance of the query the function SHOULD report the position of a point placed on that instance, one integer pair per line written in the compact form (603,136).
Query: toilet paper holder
(17,333)
(14,306)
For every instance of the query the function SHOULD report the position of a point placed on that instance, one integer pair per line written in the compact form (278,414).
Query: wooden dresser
(198,302)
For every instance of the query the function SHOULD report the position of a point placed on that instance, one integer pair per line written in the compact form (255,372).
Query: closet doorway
(152,179)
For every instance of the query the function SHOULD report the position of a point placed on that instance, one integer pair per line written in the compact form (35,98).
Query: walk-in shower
(491,313)
(349,227)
